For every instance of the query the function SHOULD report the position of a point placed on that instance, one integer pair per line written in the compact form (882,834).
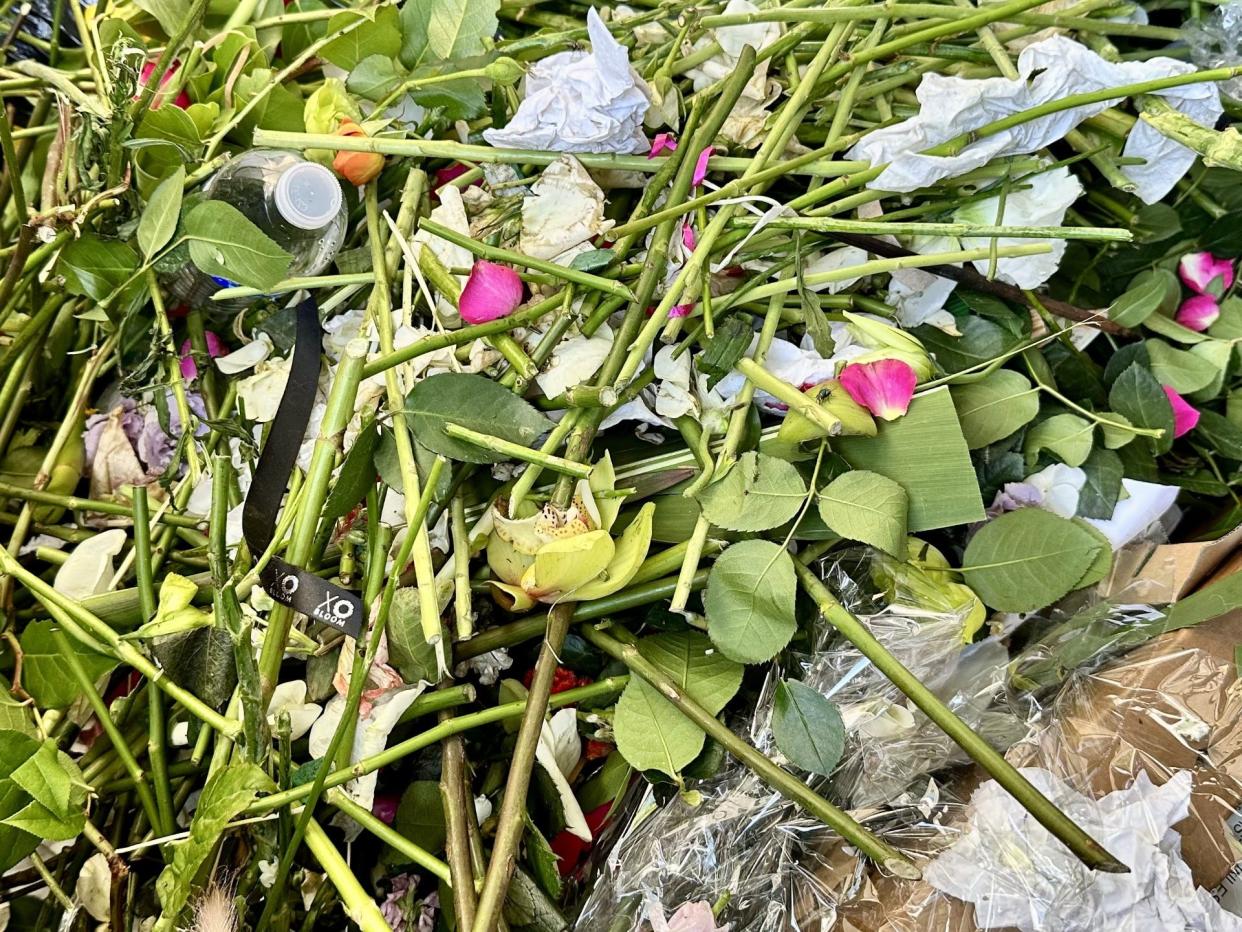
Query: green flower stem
(308,282)
(517,451)
(358,905)
(556,436)
(669,560)
(138,109)
(90,630)
(340,409)
(880,228)
(157,733)
(176,382)
(779,779)
(778,388)
(447,697)
(497,254)
(464,152)
(958,143)
(339,799)
(510,822)
(438,341)
(463,609)
(119,744)
(1099,418)
(454,726)
(384,262)
(458,803)
(526,629)
(53,886)
(1089,851)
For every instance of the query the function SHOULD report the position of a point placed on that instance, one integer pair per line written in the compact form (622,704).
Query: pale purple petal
(663,142)
(492,291)
(1205,274)
(1185,417)
(700,167)
(883,387)
(1199,312)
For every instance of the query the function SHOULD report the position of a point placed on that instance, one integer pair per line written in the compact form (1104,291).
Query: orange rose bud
(356,167)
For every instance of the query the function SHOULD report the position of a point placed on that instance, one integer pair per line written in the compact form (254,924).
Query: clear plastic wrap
(779,868)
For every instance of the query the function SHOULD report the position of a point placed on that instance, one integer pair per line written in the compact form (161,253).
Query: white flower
(1059,487)
(565,210)
(580,101)
(260,394)
(831,261)
(745,123)
(558,752)
(245,357)
(1050,70)
(88,571)
(573,361)
(290,697)
(267,873)
(482,809)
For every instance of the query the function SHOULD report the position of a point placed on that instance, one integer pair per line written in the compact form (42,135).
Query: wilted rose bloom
(1198,312)
(385,806)
(1185,416)
(182,99)
(492,291)
(1205,274)
(356,167)
(883,387)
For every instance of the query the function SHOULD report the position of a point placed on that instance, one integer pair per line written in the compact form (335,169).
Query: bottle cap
(308,195)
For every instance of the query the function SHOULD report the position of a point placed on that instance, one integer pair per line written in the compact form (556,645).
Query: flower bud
(889,342)
(851,419)
(504,71)
(356,167)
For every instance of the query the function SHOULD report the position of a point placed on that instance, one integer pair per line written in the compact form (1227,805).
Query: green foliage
(865,506)
(43,666)
(446,29)
(1067,436)
(224,243)
(995,406)
(807,727)
(759,492)
(420,815)
(1138,397)
(474,402)
(750,601)
(1149,292)
(159,218)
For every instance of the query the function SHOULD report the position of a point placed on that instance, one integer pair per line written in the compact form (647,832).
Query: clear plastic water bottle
(297,203)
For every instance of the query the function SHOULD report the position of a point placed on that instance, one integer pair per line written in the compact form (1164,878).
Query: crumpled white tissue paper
(580,101)
(1050,70)
(1017,874)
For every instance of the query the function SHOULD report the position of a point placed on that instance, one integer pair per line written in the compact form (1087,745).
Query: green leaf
(757,493)
(865,506)
(1155,223)
(750,601)
(925,453)
(420,815)
(1146,294)
(542,859)
(379,35)
(606,785)
(170,14)
(15,749)
(1068,436)
(446,29)
(1116,437)
(224,243)
(593,260)
(807,727)
(375,77)
(40,821)
(459,100)
(409,651)
(1102,561)
(228,791)
(980,342)
(1229,325)
(721,352)
(995,406)
(1183,371)
(1099,494)
(474,402)
(43,666)
(14,715)
(1027,559)
(202,661)
(651,733)
(45,778)
(159,218)
(1222,435)
(1138,397)
(95,267)
(356,476)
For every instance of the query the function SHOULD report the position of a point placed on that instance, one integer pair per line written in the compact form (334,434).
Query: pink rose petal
(215,347)
(1205,274)
(1185,417)
(182,99)
(1198,313)
(680,310)
(700,167)
(688,239)
(883,387)
(492,291)
(663,142)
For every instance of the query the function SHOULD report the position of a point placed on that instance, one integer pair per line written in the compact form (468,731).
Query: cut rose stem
(1086,848)
(779,779)
(357,902)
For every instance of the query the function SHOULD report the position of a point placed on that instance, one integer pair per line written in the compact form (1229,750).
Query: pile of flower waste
(437,436)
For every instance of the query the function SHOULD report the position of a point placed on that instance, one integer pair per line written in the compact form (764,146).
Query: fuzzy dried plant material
(214,910)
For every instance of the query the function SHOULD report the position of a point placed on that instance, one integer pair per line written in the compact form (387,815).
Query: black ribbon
(302,591)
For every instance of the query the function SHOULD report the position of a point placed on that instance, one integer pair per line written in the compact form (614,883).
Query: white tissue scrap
(580,101)
(1017,874)
(1050,70)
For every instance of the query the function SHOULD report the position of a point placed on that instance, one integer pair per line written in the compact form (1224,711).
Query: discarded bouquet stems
(1087,849)
(774,776)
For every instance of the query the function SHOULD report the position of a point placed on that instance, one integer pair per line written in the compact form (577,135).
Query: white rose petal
(247,357)
(1060,486)
(94,887)
(89,569)
(565,210)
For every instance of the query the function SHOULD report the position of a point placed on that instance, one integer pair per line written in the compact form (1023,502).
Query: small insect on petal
(700,167)
(1185,416)
(883,387)
(1198,313)
(1205,274)
(492,291)
(663,142)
